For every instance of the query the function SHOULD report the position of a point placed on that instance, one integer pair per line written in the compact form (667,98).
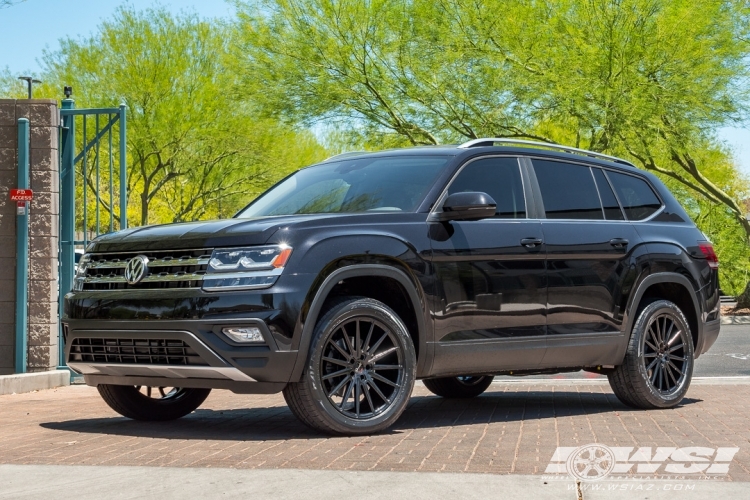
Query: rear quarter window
(637,198)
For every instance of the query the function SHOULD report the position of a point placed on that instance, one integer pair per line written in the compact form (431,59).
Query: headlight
(83,265)
(81,268)
(245,268)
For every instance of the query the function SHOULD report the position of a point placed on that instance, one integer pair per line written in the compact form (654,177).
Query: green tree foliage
(650,80)
(194,151)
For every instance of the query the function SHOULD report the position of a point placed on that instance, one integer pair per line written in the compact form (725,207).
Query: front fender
(318,294)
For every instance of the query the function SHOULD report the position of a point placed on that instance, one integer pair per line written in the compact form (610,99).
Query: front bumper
(184,353)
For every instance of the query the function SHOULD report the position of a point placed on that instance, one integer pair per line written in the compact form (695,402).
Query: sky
(27,28)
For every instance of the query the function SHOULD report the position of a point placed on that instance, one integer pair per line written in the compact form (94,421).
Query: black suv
(348,280)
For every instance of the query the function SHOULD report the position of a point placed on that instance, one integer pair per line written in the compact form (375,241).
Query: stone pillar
(44,119)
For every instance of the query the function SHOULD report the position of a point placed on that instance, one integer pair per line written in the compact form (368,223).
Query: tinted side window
(636,196)
(498,177)
(568,190)
(609,202)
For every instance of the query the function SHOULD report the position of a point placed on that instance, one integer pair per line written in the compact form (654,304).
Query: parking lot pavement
(514,428)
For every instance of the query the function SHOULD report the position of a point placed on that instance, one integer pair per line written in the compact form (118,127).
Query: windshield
(385,184)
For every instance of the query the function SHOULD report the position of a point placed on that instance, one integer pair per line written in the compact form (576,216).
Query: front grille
(166,269)
(133,351)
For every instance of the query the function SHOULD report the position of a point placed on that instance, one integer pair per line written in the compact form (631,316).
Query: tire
(658,364)
(458,387)
(355,387)
(130,402)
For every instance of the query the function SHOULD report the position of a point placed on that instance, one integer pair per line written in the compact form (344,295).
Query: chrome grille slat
(167,269)
(104,264)
(153,278)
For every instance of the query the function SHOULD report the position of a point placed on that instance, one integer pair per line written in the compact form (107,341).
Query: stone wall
(43,118)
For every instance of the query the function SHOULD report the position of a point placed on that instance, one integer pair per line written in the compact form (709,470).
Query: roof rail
(345,155)
(559,147)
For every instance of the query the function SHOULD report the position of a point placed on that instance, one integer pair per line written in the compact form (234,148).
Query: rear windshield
(382,184)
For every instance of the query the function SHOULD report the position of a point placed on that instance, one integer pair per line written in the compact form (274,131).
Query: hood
(194,235)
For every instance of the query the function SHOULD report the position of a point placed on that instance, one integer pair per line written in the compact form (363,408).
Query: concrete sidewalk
(95,482)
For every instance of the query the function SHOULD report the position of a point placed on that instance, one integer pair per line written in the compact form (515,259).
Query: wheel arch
(359,272)
(674,287)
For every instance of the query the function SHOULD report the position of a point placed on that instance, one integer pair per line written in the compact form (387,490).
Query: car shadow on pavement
(278,423)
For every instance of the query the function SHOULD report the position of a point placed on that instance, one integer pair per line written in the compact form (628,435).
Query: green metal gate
(93,183)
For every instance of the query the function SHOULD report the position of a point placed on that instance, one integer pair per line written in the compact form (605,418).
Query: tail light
(708,250)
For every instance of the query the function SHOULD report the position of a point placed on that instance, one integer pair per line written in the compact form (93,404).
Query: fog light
(243,335)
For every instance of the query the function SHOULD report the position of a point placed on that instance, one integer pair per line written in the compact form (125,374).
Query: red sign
(21,194)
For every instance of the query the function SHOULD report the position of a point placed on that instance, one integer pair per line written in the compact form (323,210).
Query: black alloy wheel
(360,371)
(152,403)
(461,387)
(160,393)
(665,353)
(658,364)
(362,367)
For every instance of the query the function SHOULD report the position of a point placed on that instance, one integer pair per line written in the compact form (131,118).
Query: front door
(491,289)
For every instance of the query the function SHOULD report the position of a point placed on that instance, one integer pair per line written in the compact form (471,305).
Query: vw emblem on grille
(136,270)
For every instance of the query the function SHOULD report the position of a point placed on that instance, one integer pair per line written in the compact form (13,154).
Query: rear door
(490,277)
(589,244)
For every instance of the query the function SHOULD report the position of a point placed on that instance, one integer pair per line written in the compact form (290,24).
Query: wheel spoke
(674,367)
(339,386)
(348,342)
(675,348)
(347,393)
(366,390)
(357,394)
(339,349)
(668,369)
(377,344)
(654,337)
(652,378)
(378,391)
(381,378)
(652,364)
(336,374)
(366,345)
(383,354)
(652,346)
(386,367)
(357,341)
(335,361)
(658,331)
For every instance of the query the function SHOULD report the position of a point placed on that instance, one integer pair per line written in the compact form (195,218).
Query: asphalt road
(729,357)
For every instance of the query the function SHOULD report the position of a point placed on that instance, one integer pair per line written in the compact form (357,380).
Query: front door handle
(531,242)
(618,242)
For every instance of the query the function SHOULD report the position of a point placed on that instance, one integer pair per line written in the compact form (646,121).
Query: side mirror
(467,206)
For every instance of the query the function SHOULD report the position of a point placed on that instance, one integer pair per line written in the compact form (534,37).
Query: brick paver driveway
(513,428)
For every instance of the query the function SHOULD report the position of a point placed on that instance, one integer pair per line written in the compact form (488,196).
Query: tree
(192,147)
(651,80)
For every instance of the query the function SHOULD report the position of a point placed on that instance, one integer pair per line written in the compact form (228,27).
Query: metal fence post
(67,211)
(22,250)
(123,172)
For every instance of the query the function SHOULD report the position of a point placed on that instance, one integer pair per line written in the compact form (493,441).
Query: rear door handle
(618,242)
(531,242)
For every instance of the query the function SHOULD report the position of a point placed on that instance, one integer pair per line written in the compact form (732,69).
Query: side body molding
(351,272)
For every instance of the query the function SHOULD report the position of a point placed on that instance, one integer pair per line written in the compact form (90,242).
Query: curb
(740,380)
(29,382)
